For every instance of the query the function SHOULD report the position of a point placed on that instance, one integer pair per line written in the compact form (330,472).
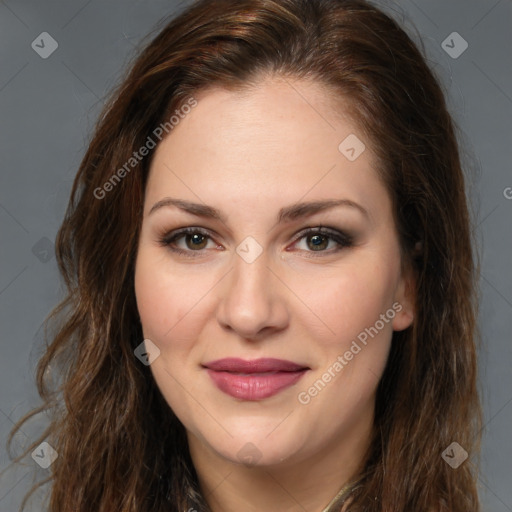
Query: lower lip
(254,386)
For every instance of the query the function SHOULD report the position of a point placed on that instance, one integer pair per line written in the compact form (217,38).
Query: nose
(253,302)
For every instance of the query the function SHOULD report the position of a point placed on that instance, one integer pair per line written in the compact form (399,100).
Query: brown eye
(196,241)
(317,242)
(322,240)
(188,241)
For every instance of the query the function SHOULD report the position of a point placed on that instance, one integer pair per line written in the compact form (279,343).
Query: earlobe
(403,319)
(405,299)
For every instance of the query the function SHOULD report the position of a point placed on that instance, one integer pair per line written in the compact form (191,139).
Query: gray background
(48,108)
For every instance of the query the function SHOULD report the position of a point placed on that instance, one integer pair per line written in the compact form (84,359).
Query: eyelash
(342,239)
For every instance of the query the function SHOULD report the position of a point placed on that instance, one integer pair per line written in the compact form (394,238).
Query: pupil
(318,241)
(196,240)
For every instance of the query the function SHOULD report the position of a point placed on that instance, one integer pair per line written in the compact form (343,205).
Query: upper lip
(233,364)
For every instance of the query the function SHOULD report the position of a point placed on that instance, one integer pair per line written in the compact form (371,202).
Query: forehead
(279,139)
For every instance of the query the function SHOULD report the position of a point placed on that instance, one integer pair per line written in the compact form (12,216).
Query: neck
(309,483)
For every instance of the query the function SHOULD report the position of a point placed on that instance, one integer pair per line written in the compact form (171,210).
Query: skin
(248,155)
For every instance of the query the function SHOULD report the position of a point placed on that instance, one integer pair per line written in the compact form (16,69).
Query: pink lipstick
(255,379)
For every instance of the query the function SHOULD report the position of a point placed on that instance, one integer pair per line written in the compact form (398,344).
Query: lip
(254,379)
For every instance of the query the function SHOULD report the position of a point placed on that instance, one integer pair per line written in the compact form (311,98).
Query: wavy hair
(120,447)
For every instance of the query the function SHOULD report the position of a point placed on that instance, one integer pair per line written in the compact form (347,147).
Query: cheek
(352,353)
(172,310)
(169,303)
(350,300)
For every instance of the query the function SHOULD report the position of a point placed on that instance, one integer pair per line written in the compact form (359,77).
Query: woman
(271,278)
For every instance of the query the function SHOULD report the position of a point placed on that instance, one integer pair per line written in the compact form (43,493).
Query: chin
(264,446)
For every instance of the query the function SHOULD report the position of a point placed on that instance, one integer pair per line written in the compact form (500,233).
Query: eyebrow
(288,213)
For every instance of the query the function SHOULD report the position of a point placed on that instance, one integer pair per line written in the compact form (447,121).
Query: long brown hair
(120,447)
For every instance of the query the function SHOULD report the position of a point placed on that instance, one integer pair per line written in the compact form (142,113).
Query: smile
(256,379)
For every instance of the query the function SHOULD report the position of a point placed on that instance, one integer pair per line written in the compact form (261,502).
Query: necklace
(336,500)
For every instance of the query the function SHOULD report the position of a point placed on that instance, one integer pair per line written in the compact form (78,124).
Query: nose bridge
(251,278)
(250,300)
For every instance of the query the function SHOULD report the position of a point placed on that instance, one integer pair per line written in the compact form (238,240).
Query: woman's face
(273,333)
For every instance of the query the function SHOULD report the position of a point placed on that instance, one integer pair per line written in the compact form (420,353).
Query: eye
(192,241)
(187,240)
(323,240)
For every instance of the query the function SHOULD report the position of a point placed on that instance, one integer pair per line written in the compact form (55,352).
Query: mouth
(254,379)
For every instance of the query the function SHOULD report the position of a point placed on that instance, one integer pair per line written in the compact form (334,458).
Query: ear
(405,299)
